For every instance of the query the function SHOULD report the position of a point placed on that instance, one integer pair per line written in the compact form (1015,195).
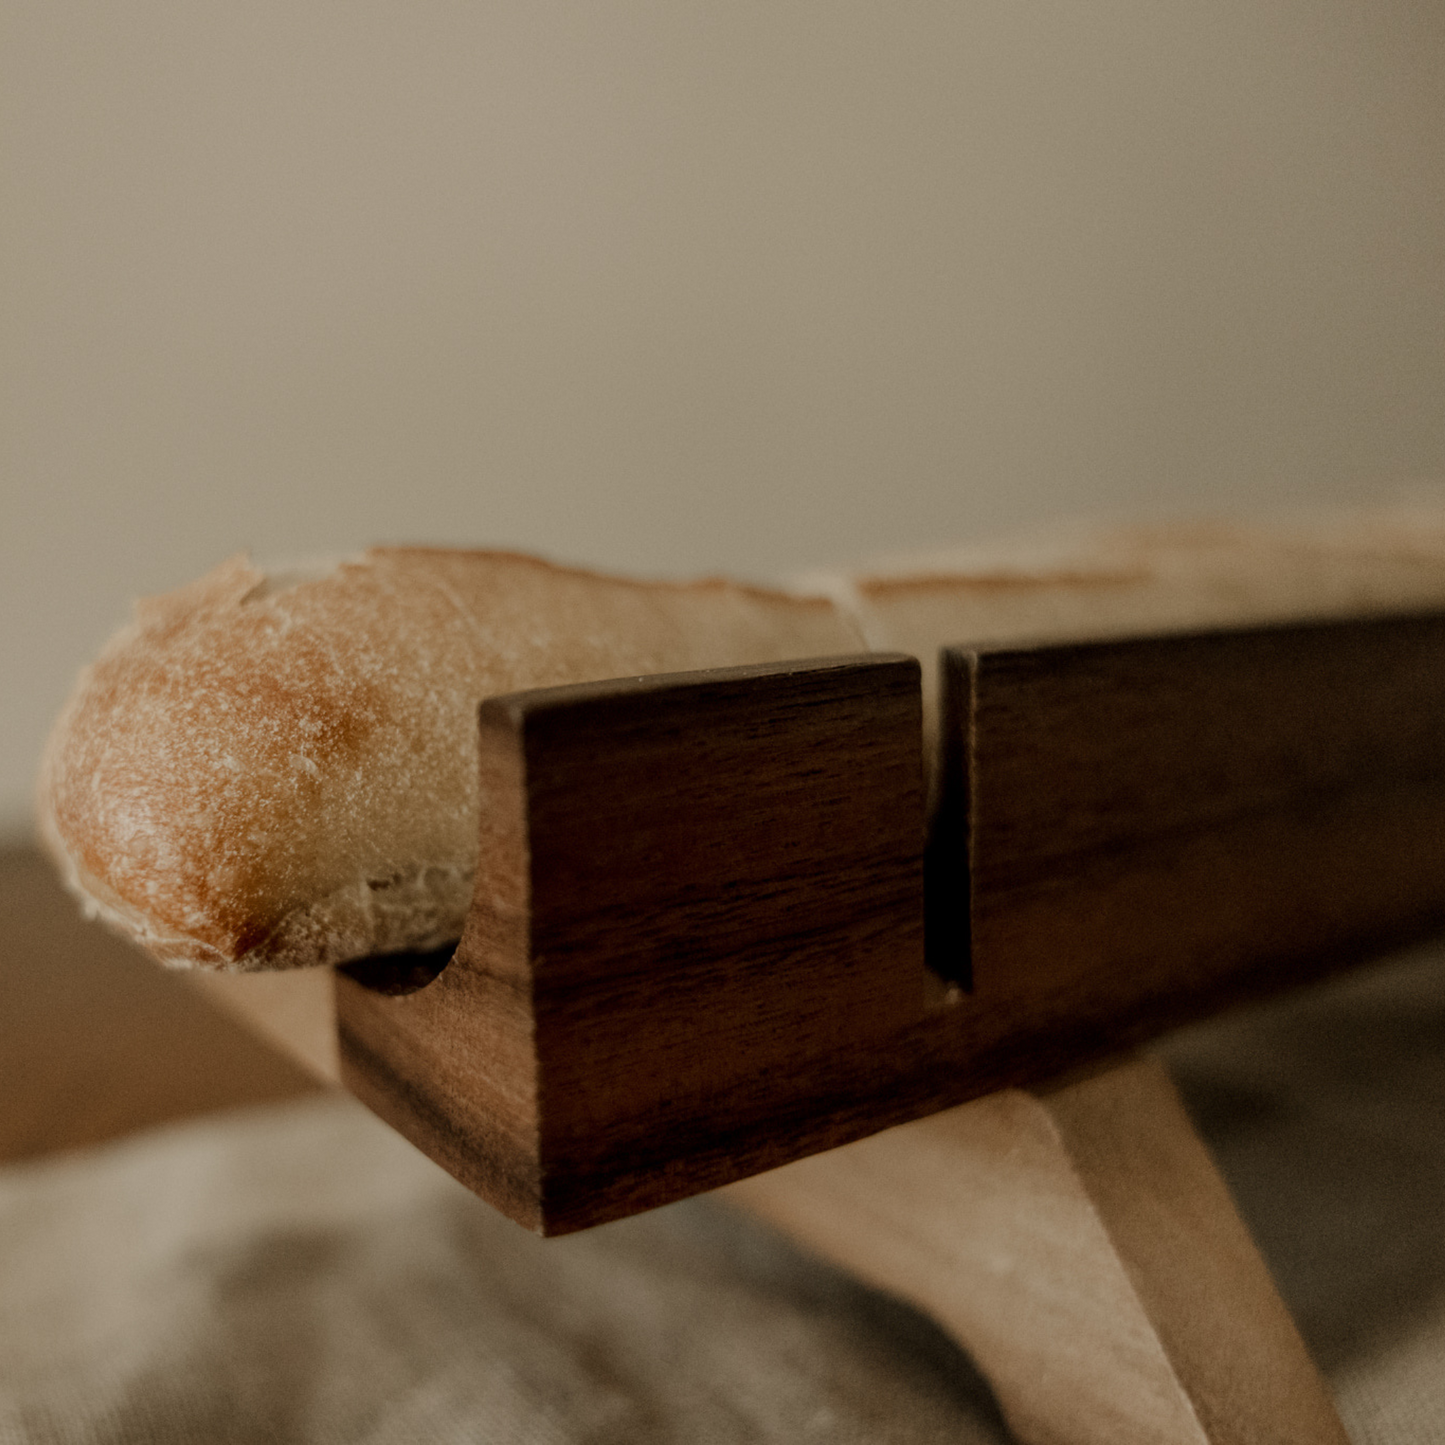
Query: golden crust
(246,780)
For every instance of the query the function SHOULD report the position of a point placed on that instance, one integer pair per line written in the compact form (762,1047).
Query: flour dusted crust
(250,780)
(265,773)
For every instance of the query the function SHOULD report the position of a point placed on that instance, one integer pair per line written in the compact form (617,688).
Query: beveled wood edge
(531,701)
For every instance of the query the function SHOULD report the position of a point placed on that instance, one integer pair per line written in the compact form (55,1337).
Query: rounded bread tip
(254,747)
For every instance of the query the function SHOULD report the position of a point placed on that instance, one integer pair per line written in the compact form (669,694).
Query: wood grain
(1079,1243)
(696,948)
(705,917)
(1186,809)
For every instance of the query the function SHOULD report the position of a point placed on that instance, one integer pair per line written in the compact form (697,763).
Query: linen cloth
(300,1273)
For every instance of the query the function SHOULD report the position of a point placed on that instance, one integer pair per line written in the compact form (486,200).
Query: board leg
(1080,1244)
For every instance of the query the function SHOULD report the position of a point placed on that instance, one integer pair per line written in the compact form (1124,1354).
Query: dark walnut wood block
(700,932)
(697,948)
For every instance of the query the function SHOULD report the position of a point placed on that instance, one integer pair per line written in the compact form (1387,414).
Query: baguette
(264,772)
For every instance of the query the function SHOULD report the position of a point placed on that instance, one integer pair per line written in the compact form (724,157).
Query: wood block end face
(699,912)
(726,908)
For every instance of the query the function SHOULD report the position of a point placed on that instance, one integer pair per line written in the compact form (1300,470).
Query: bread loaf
(271,773)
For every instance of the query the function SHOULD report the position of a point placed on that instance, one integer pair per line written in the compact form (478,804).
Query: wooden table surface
(95,1040)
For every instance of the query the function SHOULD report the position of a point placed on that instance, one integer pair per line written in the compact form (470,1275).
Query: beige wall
(691,284)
